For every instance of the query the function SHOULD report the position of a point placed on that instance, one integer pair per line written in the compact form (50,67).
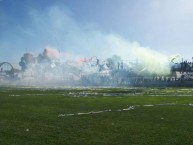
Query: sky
(96,27)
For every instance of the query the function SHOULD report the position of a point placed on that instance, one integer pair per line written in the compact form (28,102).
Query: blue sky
(84,27)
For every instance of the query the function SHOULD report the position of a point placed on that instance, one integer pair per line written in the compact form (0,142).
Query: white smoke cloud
(56,27)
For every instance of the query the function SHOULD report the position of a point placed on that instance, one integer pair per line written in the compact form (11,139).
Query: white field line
(130,108)
(148,105)
(96,112)
(14,95)
(120,110)
(190,104)
(29,94)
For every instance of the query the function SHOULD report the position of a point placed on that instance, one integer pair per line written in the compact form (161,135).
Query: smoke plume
(57,28)
(50,53)
(77,40)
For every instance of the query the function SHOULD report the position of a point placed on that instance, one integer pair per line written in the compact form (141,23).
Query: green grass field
(113,116)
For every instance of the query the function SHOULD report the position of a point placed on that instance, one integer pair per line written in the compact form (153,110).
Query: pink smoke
(86,60)
(51,53)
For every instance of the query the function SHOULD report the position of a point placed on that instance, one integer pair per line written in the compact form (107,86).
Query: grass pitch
(96,116)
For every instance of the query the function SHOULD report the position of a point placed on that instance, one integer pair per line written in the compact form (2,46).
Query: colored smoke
(57,28)
(51,53)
